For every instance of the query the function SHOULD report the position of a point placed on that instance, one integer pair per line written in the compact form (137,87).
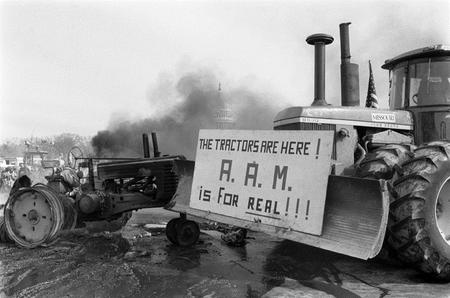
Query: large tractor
(405,145)
(386,188)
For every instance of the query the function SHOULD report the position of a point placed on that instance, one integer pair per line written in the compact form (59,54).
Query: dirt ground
(139,261)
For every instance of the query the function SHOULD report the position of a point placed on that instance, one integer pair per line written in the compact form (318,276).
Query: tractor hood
(356,116)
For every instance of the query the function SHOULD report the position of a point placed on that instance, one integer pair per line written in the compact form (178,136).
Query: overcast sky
(68,66)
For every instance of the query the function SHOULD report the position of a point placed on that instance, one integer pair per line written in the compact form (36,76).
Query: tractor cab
(420,83)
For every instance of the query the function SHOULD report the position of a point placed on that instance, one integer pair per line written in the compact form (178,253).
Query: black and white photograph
(251,148)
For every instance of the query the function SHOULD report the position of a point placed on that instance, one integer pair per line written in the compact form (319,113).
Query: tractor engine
(357,130)
(123,186)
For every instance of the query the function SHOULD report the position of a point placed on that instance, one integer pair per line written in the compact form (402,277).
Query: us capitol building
(223,114)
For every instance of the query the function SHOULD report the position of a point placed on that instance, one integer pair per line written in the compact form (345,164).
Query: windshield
(420,82)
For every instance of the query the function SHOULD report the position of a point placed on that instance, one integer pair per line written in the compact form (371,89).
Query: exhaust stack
(146,145)
(349,71)
(319,41)
(156,152)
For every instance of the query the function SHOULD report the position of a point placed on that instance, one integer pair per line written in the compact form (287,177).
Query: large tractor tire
(384,162)
(419,221)
(419,225)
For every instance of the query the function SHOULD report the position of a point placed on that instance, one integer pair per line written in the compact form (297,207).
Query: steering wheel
(73,155)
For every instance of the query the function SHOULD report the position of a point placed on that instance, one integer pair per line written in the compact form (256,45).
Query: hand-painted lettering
(206,144)
(225,169)
(204,194)
(262,205)
(251,173)
(279,174)
(227,198)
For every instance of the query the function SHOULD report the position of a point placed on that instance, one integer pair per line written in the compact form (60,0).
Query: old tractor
(98,192)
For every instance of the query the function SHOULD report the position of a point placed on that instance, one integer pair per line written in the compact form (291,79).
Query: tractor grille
(310,126)
(316,126)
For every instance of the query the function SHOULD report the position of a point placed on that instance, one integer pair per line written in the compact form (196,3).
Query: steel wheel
(30,219)
(35,215)
(3,234)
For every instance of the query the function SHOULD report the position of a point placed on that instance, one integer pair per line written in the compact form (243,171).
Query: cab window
(420,82)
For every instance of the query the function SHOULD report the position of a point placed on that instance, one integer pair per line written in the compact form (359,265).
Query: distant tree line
(56,146)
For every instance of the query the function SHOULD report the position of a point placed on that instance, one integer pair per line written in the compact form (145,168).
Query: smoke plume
(177,128)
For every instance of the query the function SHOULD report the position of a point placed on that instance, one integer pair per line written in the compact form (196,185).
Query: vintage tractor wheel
(419,226)
(35,215)
(187,232)
(3,233)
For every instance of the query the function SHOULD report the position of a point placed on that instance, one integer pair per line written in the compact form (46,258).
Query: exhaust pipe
(349,71)
(156,152)
(146,145)
(319,41)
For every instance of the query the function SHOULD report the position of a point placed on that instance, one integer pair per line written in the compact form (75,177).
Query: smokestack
(319,41)
(349,71)
(146,145)
(156,153)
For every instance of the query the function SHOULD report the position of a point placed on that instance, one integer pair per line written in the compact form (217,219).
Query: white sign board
(277,178)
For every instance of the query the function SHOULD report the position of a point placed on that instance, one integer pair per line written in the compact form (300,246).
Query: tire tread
(409,234)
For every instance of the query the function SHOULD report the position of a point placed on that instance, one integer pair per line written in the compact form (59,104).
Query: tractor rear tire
(419,224)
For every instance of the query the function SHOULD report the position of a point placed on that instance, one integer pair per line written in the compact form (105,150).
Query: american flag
(371,100)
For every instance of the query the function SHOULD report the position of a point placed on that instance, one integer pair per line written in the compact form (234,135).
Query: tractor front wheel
(182,232)
(171,232)
(187,232)
(419,225)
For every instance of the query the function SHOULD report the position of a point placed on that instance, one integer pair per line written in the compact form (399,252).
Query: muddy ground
(140,262)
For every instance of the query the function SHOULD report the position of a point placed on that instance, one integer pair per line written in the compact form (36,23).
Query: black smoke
(178,127)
